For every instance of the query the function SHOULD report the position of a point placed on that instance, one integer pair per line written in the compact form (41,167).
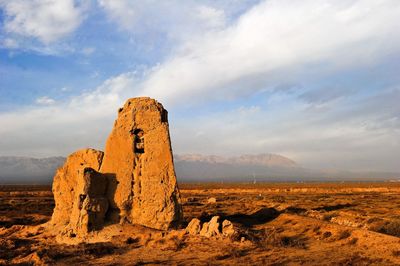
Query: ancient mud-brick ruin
(133,181)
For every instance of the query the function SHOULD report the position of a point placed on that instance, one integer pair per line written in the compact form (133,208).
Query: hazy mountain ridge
(262,167)
(197,167)
(243,167)
(266,159)
(15,169)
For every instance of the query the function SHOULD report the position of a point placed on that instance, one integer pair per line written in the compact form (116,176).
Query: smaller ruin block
(90,203)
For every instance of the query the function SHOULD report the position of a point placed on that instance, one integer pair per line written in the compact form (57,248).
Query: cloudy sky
(317,81)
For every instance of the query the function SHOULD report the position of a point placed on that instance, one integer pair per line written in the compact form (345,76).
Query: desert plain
(350,223)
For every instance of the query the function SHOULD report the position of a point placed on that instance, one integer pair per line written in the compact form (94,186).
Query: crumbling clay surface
(138,156)
(66,179)
(133,181)
(90,203)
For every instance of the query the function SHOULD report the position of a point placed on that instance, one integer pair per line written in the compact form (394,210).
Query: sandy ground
(278,224)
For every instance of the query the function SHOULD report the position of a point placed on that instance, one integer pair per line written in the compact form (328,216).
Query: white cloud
(280,41)
(356,136)
(10,43)
(176,20)
(277,41)
(337,138)
(124,12)
(45,100)
(59,128)
(88,50)
(214,18)
(46,20)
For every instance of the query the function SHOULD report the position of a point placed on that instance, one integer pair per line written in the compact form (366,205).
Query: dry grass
(353,241)
(328,216)
(271,218)
(276,239)
(344,235)
(389,228)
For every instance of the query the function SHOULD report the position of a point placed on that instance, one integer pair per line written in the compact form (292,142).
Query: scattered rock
(212,200)
(228,228)
(194,227)
(212,228)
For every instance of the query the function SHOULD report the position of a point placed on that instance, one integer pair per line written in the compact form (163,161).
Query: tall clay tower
(138,152)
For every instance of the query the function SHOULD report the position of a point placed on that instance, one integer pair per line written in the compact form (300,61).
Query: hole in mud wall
(164,116)
(138,141)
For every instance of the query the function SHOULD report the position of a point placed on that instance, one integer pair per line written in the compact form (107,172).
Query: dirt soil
(280,224)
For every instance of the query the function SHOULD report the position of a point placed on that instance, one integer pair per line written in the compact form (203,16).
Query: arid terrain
(277,224)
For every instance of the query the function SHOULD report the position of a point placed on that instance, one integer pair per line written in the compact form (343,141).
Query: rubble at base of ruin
(132,182)
(213,228)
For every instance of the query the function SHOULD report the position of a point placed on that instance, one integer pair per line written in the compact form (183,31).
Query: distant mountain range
(263,167)
(273,160)
(196,167)
(28,170)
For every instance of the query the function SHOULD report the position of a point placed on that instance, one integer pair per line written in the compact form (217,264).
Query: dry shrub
(232,252)
(160,241)
(396,253)
(389,228)
(316,228)
(173,243)
(353,241)
(100,249)
(358,259)
(279,199)
(344,234)
(374,220)
(14,247)
(85,251)
(326,234)
(179,243)
(254,236)
(275,239)
(328,216)
(297,241)
(133,242)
